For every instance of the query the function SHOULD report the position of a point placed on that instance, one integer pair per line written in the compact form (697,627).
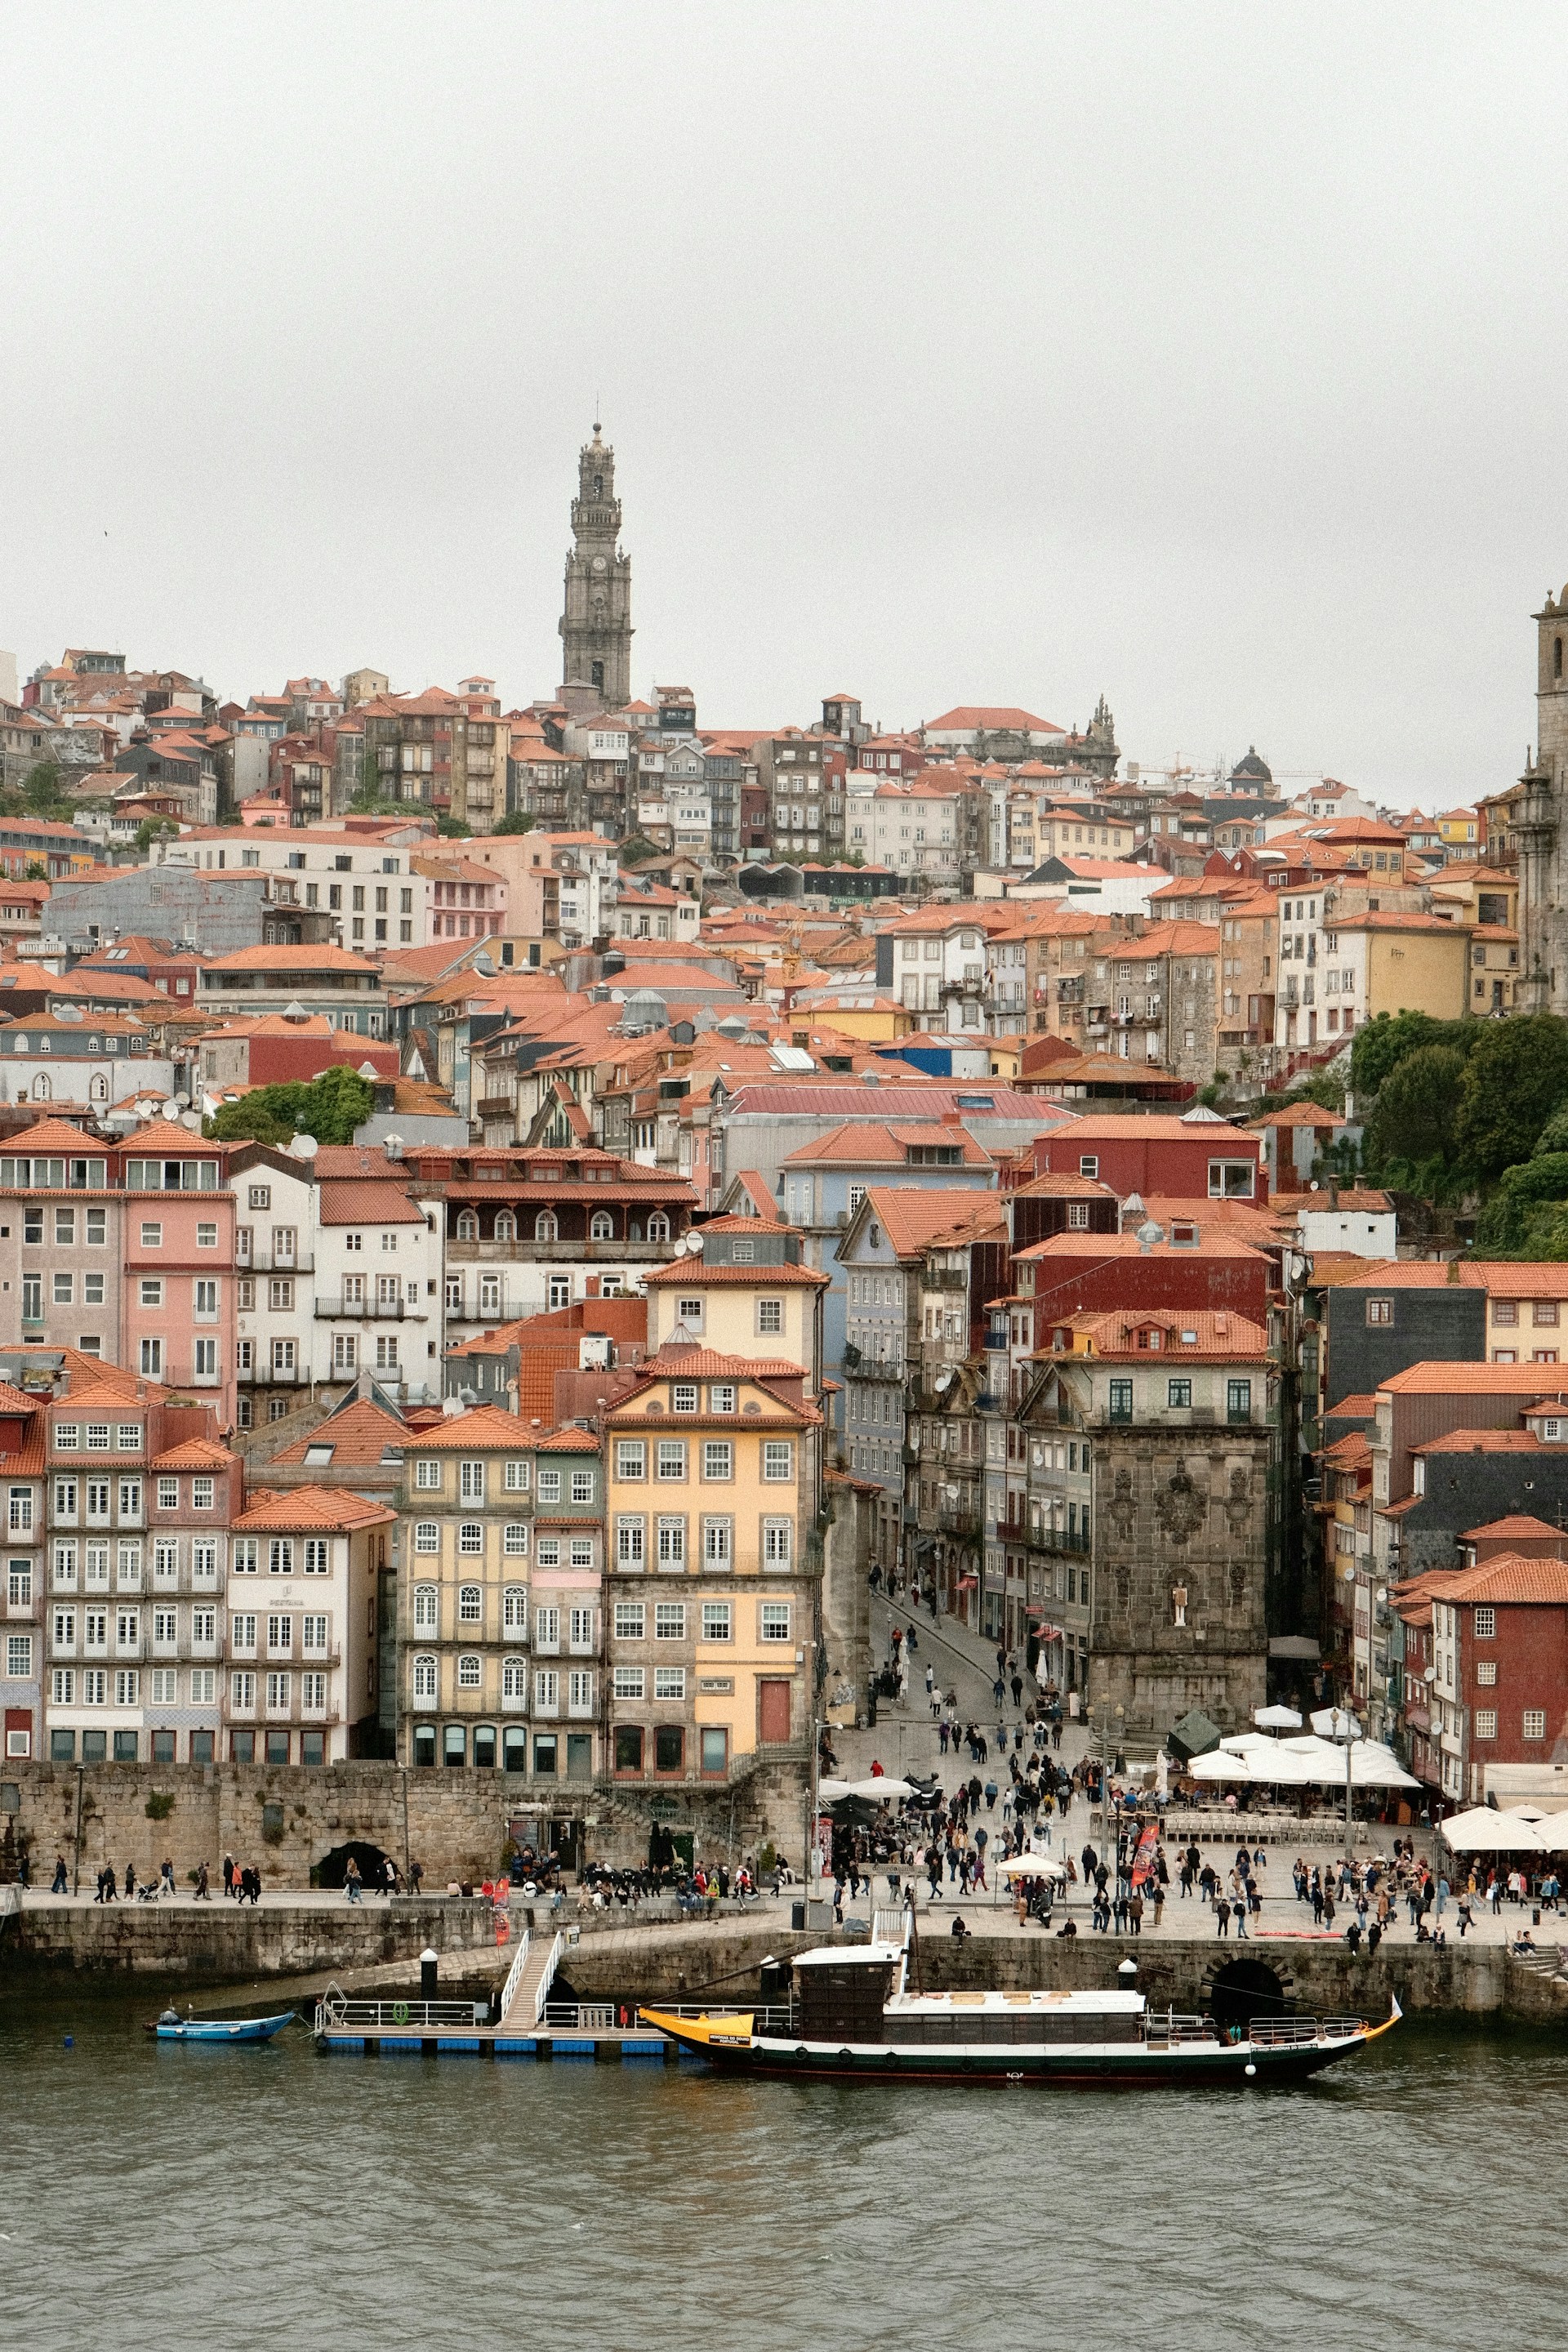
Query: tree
(1516,1075)
(1503,1228)
(42,789)
(515,821)
(1414,1122)
(330,1107)
(1382,1044)
(452,828)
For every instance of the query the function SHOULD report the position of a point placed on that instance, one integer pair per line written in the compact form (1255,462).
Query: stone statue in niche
(1180,1508)
(1123,1588)
(1179,1604)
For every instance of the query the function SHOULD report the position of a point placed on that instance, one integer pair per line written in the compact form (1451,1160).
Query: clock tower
(597,624)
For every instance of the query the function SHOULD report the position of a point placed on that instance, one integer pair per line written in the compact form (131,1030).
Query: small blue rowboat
(172,2027)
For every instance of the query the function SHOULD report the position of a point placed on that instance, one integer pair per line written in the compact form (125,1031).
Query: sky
(1203,357)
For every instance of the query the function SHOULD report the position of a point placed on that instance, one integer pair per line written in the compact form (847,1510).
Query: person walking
(60,1885)
(1135,1914)
(1017,1688)
(1222,1915)
(202,1894)
(228,1876)
(351,1880)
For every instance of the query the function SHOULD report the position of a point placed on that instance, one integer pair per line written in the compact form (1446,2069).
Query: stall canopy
(1482,1831)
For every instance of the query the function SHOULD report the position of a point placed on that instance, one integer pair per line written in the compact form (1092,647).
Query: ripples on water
(230,2198)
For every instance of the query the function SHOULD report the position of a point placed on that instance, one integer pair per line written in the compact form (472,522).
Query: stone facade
(597,624)
(1177,1609)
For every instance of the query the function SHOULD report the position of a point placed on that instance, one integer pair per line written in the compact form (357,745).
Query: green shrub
(158,1805)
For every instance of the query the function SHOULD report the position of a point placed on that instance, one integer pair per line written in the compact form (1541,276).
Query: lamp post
(1336,1723)
(1106,1732)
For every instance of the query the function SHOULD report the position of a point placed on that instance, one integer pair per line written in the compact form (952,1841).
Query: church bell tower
(596,624)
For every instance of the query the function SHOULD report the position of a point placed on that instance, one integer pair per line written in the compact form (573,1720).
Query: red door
(772,1711)
(19,1731)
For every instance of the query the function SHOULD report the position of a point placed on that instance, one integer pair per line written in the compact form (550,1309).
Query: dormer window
(683,1396)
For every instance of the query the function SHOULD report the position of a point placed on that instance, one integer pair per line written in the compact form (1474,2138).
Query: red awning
(967,1583)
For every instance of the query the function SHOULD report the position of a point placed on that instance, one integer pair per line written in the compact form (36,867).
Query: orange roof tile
(313,1507)
(195,1454)
(360,1436)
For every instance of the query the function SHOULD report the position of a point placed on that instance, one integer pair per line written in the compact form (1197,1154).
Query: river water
(188,2198)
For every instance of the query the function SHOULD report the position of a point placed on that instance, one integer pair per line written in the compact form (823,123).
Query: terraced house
(501,1557)
(305,1576)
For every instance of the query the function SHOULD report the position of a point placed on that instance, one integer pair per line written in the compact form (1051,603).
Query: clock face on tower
(600,564)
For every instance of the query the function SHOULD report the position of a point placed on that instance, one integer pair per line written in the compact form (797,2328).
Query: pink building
(177,1282)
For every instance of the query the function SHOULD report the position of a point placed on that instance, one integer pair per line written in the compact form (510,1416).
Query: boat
(172,2027)
(852,2016)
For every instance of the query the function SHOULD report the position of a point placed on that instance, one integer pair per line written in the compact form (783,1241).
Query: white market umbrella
(1220,1764)
(1277,1718)
(1033,1865)
(1482,1831)
(879,1787)
(1374,1766)
(1551,1830)
(829,1791)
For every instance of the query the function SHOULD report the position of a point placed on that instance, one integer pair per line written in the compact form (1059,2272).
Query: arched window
(424,1679)
(514,1609)
(514,1681)
(506,1226)
(603,1226)
(658,1226)
(97,1087)
(40,1088)
(545,1228)
(470,1605)
(468,1226)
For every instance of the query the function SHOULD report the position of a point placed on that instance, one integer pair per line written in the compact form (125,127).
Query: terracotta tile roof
(360,1436)
(709,1364)
(1482,1441)
(1517,1526)
(1424,1274)
(1299,1113)
(1511,1579)
(482,1425)
(566,1441)
(1352,1408)
(694,1275)
(1433,1379)
(356,1159)
(913,1216)
(54,1137)
(1064,1187)
(977,717)
(1101,1246)
(365,1204)
(14,1399)
(309,1507)
(873,1144)
(1219,1336)
(1332,1269)
(292,959)
(195,1454)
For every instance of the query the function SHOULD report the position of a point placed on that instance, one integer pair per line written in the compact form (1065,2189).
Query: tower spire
(596,620)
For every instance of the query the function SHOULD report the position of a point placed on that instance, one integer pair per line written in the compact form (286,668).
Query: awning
(1050,1632)
(967,1583)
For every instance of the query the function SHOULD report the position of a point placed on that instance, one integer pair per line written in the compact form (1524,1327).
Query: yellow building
(1392,962)
(1460,831)
(713,1573)
(500,1544)
(747,1293)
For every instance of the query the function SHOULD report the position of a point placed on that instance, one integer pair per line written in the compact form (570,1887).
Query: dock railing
(547,1978)
(337,2013)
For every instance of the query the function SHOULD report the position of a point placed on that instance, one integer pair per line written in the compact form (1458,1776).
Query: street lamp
(1336,1723)
(1107,1733)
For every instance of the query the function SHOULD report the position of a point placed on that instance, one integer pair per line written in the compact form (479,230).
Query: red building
(1194,1157)
(1499,1639)
(1077,1274)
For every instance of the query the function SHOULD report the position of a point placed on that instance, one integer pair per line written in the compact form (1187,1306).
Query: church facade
(597,622)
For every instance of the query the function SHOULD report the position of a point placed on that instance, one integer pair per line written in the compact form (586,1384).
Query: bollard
(430,1969)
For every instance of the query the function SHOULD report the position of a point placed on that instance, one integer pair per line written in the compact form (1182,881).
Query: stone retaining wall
(229,1942)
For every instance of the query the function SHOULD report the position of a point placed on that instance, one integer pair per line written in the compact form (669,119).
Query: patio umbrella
(1277,1718)
(1221,1764)
(1482,1831)
(880,1788)
(1033,1865)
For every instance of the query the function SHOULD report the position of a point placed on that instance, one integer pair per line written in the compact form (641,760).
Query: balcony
(526,1251)
(271,1376)
(369,1310)
(263,1262)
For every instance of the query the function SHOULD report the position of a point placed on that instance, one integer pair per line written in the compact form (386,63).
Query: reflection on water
(191,2196)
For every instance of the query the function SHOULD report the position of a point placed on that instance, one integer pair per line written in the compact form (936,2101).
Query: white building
(359,873)
(300,1668)
(90,1061)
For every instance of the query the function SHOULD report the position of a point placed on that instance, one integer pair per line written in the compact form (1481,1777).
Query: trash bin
(1535,1916)
(797,1919)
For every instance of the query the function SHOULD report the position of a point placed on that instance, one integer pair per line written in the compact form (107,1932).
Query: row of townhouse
(155,1610)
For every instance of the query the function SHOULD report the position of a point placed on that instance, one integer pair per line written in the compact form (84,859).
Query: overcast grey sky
(1206,356)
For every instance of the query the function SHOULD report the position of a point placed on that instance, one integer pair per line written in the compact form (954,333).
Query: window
(669,1682)
(582,1486)
(280,1556)
(1089,1165)
(716,1620)
(427,1476)
(772,1621)
(546,1692)
(778,1460)
(471,1482)
(424,1678)
(546,1227)
(629,1682)
(168,1494)
(671,1545)
(280,1636)
(19,1657)
(683,1396)
(1178,1395)
(669,1621)
(1239,1399)
(470,1605)
(549,1486)
(1486,1671)
(205,1301)
(631,1458)
(690,1312)
(518,1477)
(514,1610)
(668,1749)
(246,1550)
(671,1458)
(426,1535)
(1534,1726)
(514,1681)
(778,1541)
(470,1673)
(770,1315)
(1380,1310)
(152,1292)
(721,1397)
(471,1539)
(1485,1624)
(718,1459)
(425,1604)
(1121,1399)
(1231,1179)
(19,1514)
(514,1539)
(152,1237)
(719,1543)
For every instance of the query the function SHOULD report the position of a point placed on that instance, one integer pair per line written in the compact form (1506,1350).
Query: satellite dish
(692,1244)
(304,1146)
(182,1102)
(193,1120)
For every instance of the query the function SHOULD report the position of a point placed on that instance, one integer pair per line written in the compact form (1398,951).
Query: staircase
(1553,1962)
(528,1987)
